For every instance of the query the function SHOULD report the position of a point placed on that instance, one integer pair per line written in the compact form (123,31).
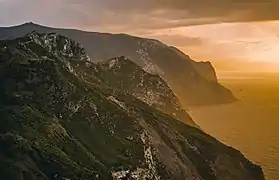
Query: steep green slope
(58,124)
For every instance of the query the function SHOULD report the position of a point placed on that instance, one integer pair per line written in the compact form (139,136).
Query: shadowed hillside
(58,121)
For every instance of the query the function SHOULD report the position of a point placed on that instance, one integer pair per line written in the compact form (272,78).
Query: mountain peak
(30,23)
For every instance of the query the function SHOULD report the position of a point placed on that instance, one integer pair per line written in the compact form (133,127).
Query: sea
(251,124)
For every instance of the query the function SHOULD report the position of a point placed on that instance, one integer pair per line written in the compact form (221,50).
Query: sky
(240,35)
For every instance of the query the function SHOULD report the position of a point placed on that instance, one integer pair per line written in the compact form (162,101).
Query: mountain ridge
(183,74)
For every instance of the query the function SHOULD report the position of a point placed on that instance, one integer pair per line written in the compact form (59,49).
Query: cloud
(128,15)
(187,12)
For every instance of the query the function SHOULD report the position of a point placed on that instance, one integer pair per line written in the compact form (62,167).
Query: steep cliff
(205,68)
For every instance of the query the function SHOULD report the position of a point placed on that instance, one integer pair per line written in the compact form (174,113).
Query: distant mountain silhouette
(195,83)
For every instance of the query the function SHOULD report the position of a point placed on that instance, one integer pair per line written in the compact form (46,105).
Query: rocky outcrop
(58,122)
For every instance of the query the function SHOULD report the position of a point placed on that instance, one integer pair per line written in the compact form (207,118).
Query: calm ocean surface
(251,124)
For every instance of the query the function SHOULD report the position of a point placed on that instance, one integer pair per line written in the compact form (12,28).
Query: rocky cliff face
(58,121)
(193,82)
(124,75)
(127,76)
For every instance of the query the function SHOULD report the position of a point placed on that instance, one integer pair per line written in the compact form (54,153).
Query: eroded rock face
(125,75)
(58,121)
(59,46)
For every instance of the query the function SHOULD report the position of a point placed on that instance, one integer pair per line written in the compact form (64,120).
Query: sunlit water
(251,124)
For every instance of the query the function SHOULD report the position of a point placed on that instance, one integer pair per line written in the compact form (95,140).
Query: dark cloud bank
(127,15)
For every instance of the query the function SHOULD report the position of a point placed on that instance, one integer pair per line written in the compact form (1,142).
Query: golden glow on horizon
(253,45)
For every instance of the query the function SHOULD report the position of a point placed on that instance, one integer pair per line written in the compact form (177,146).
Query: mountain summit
(195,83)
(59,121)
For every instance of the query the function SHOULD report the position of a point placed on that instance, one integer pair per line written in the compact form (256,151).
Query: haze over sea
(250,124)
